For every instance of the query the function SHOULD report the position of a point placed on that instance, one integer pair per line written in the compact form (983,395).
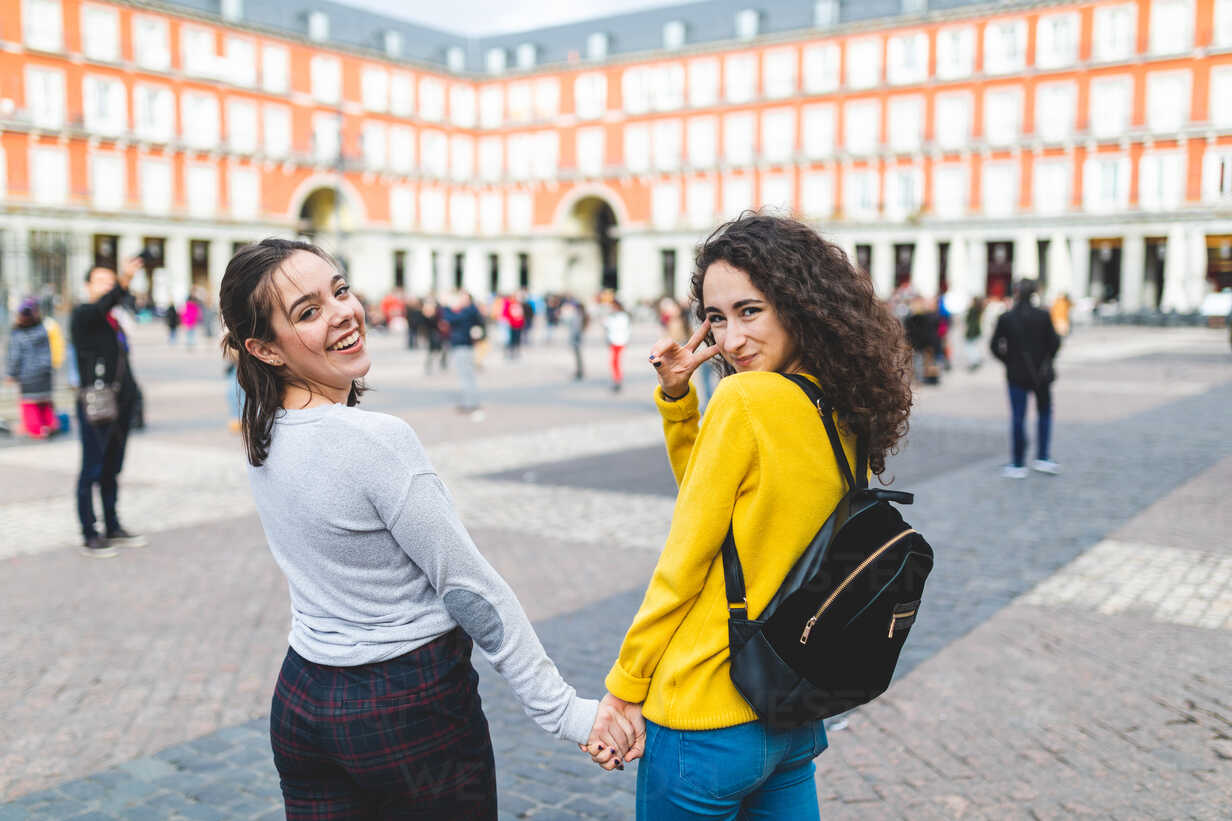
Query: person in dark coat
(29,363)
(102,358)
(1027,343)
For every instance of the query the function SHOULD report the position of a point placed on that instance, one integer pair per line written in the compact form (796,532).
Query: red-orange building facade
(1088,144)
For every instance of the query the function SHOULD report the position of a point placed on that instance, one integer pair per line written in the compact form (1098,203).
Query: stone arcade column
(925,262)
(1133,271)
(1026,256)
(1080,253)
(883,268)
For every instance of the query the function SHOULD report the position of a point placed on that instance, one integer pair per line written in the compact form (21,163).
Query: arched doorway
(325,217)
(594,245)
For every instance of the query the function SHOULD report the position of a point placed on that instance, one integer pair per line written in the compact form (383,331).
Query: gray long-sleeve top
(378,562)
(29,362)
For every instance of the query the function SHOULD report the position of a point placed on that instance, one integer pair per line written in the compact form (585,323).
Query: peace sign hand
(674,363)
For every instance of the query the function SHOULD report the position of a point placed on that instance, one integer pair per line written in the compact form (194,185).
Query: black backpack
(830,638)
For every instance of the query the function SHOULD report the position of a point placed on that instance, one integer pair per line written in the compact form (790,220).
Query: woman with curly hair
(773,298)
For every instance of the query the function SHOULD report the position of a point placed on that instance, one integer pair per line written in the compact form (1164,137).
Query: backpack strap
(733,579)
(825,411)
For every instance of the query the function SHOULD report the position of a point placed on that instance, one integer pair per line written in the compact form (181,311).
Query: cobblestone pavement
(1045,678)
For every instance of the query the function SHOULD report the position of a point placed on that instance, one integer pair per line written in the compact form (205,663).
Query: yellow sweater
(761,461)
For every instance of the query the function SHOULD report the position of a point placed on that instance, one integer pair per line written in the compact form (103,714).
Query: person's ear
(267,352)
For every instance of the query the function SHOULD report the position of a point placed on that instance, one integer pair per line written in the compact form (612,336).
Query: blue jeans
(1018,426)
(746,772)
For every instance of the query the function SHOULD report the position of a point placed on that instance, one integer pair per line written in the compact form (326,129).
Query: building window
(242,126)
(373,141)
(393,43)
(699,202)
(1055,109)
(462,105)
(703,82)
(665,205)
(244,193)
(401,149)
(455,58)
(748,22)
(1002,115)
(45,97)
(955,52)
(42,25)
(590,95)
(199,119)
(907,59)
(520,219)
(1111,98)
(1000,187)
(459,269)
(821,68)
(497,60)
(431,99)
(526,55)
(1106,183)
(107,176)
(703,142)
(953,120)
(491,212)
(492,106)
(153,113)
(950,190)
(778,135)
(673,34)
(825,13)
(864,62)
(275,69)
(49,175)
(738,135)
(432,218)
(779,68)
(817,194)
(277,130)
(434,153)
(461,157)
(198,51)
(1167,101)
(201,184)
(740,77)
(590,151)
(597,46)
(318,26)
(1005,46)
(374,88)
(462,213)
(151,43)
(904,191)
(1051,186)
(1223,23)
(326,138)
(240,63)
(400,269)
(1056,40)
(906,123)
(157,188)
(1217,175)
(1221,89)
(232,10)
(326,79)
(491,158)
(1172,26)
(1116,32)
(105,110)
(401,94)
(861,126)
(1161,181)
(860,193)
(737,195)
(777,194)
(819,130)
(100,29)
(547,98)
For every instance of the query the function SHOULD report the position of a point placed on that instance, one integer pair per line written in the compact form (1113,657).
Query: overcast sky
(482,17)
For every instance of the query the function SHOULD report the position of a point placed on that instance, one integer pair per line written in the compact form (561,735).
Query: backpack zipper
(894,621)
(808,626)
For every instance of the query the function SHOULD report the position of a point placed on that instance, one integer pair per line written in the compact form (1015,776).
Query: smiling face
(319,333)
(745,326)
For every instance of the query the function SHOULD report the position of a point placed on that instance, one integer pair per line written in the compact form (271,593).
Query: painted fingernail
(600,748)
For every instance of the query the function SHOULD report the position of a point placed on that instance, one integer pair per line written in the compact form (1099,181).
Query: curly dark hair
(247,300)
(844,336)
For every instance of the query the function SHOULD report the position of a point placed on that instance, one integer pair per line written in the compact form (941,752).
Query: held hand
(674,363)
(131,267)
(619,734)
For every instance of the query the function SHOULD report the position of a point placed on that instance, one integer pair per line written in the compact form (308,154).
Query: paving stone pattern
(1042,707)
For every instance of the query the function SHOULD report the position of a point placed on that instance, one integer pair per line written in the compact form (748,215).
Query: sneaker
(96,548)
(1046,466)
(122,538)
(1013,472)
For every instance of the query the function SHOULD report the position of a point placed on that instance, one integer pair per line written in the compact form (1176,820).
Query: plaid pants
(400,739)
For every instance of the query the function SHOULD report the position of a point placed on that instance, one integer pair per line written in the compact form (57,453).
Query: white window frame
(1161,180)
(665,205)
(740,77)
(325,73)
(492,106)
(954,119)
(374,88)
(999,184)
(748,24)
(864,62)
(100,33)
(1217,174)
(374,141)
(950,178)
(1050,50)
(955,52)
(275,69)
(45,96)
(244,192)
(703,74)
(151,42)
(199,51)
(821,63)
(402,149)
(462,104)
(1043,199)
(112,121)
(1115,35)
(1003,115)
(1220,89)
(778,194)
(156,180)
(239,111)
(108,194)
(461,157)
(739,136)
(597,46)
(999,60)
(401,94)
(778,135)
(1168,95)
(590,151)
(906,123)
(667,144)
(491,212)
(1056,111)
(737,194)
(1222,21)
(817,194)
(1102,123)
(907,58)
(326,138)
(900,180)
(1171,17)
(240,61)
(700,205)
(1093,183)
(819,121)
(674,35)
(702,142)
(431,99)
(201,189)
(861,193)
(779,72)
(276,130)
(200,129)
(590,95)
(42,25)
(858,138)
(402,207)
(153,112)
